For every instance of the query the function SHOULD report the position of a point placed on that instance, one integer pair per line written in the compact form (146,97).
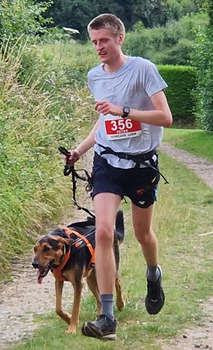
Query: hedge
(181,92)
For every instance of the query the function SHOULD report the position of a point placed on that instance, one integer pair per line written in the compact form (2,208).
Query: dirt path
(200,337)
(23,298)
(202,167)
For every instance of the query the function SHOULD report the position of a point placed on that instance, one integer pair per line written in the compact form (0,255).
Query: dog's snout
(35,264)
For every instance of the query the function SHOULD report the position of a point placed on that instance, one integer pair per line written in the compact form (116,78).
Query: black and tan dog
(69,253)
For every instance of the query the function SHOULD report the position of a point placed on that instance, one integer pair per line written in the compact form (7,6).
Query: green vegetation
(22,17)
(203,61)
(180,93)
(77,14)
(75,60)
(41,109)
(170,44)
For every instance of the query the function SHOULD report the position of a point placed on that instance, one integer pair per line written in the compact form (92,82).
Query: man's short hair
(107,20)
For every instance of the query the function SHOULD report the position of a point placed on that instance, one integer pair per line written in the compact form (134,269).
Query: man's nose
(99,45)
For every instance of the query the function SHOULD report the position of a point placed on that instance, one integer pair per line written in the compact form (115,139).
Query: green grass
(182,214)
(197,142)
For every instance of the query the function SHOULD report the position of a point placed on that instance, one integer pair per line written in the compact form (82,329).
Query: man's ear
(120,39)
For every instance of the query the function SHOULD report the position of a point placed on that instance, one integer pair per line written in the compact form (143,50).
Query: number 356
(121,124)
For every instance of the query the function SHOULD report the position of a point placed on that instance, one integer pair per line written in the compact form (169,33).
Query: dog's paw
(120,304)
(71,330)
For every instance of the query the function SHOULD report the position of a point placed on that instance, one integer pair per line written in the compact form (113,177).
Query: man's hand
(106,107)
(74,157)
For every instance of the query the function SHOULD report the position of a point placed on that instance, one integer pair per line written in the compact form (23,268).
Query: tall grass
(39,110)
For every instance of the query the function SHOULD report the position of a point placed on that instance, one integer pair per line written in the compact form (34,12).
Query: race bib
(120,128)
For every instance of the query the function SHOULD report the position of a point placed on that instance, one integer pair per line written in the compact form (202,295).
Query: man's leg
(142,223)
(106,206)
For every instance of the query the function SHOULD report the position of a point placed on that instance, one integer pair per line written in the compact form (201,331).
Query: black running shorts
(138,184)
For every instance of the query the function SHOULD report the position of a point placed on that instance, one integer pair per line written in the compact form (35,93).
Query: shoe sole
(90,331)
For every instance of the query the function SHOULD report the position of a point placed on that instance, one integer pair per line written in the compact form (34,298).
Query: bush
(75,59)
(22,18)
(182,84)
(203,61)
(172,44)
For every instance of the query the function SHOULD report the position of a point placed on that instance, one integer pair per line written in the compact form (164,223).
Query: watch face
(126,110)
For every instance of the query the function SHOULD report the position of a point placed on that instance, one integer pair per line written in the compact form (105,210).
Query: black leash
(74,176)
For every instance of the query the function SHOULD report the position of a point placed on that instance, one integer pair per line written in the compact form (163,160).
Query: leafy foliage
(22,17)
(182,83)
(203,61)
(78,13)
(171,44)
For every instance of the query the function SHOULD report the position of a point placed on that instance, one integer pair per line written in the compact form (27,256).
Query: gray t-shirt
(131,85)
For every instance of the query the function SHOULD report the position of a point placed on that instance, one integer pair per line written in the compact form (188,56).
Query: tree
(169,44)
(77,13)
(22,17)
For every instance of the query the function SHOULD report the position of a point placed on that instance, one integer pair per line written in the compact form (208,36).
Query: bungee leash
(74,176)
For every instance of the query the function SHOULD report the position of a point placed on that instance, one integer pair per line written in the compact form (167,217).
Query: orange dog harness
(57,272)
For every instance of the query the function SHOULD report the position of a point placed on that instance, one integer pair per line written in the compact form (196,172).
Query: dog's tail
(119,225)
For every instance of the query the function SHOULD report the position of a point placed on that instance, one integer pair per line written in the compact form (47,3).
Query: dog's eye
(46,249)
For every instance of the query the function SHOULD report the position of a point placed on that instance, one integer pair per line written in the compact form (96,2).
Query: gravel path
(23,298)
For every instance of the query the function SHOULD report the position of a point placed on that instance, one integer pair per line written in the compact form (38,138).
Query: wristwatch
(126,111)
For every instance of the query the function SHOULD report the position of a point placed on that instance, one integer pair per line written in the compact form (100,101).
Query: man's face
(107,45)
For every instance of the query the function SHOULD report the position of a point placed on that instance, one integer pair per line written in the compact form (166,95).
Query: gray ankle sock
(153,273)
(107,305)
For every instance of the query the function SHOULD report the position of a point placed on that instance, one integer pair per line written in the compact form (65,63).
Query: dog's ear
(40,237)
(67,241)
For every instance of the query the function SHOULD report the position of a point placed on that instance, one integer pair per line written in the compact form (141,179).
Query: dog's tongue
(39,277)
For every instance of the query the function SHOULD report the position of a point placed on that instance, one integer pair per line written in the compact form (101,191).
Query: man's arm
(84,146)
(160,116)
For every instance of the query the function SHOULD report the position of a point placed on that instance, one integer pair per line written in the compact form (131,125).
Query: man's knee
(145,236)
(104,236)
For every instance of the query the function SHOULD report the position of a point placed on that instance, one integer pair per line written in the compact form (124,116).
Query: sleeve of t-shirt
(153,82)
